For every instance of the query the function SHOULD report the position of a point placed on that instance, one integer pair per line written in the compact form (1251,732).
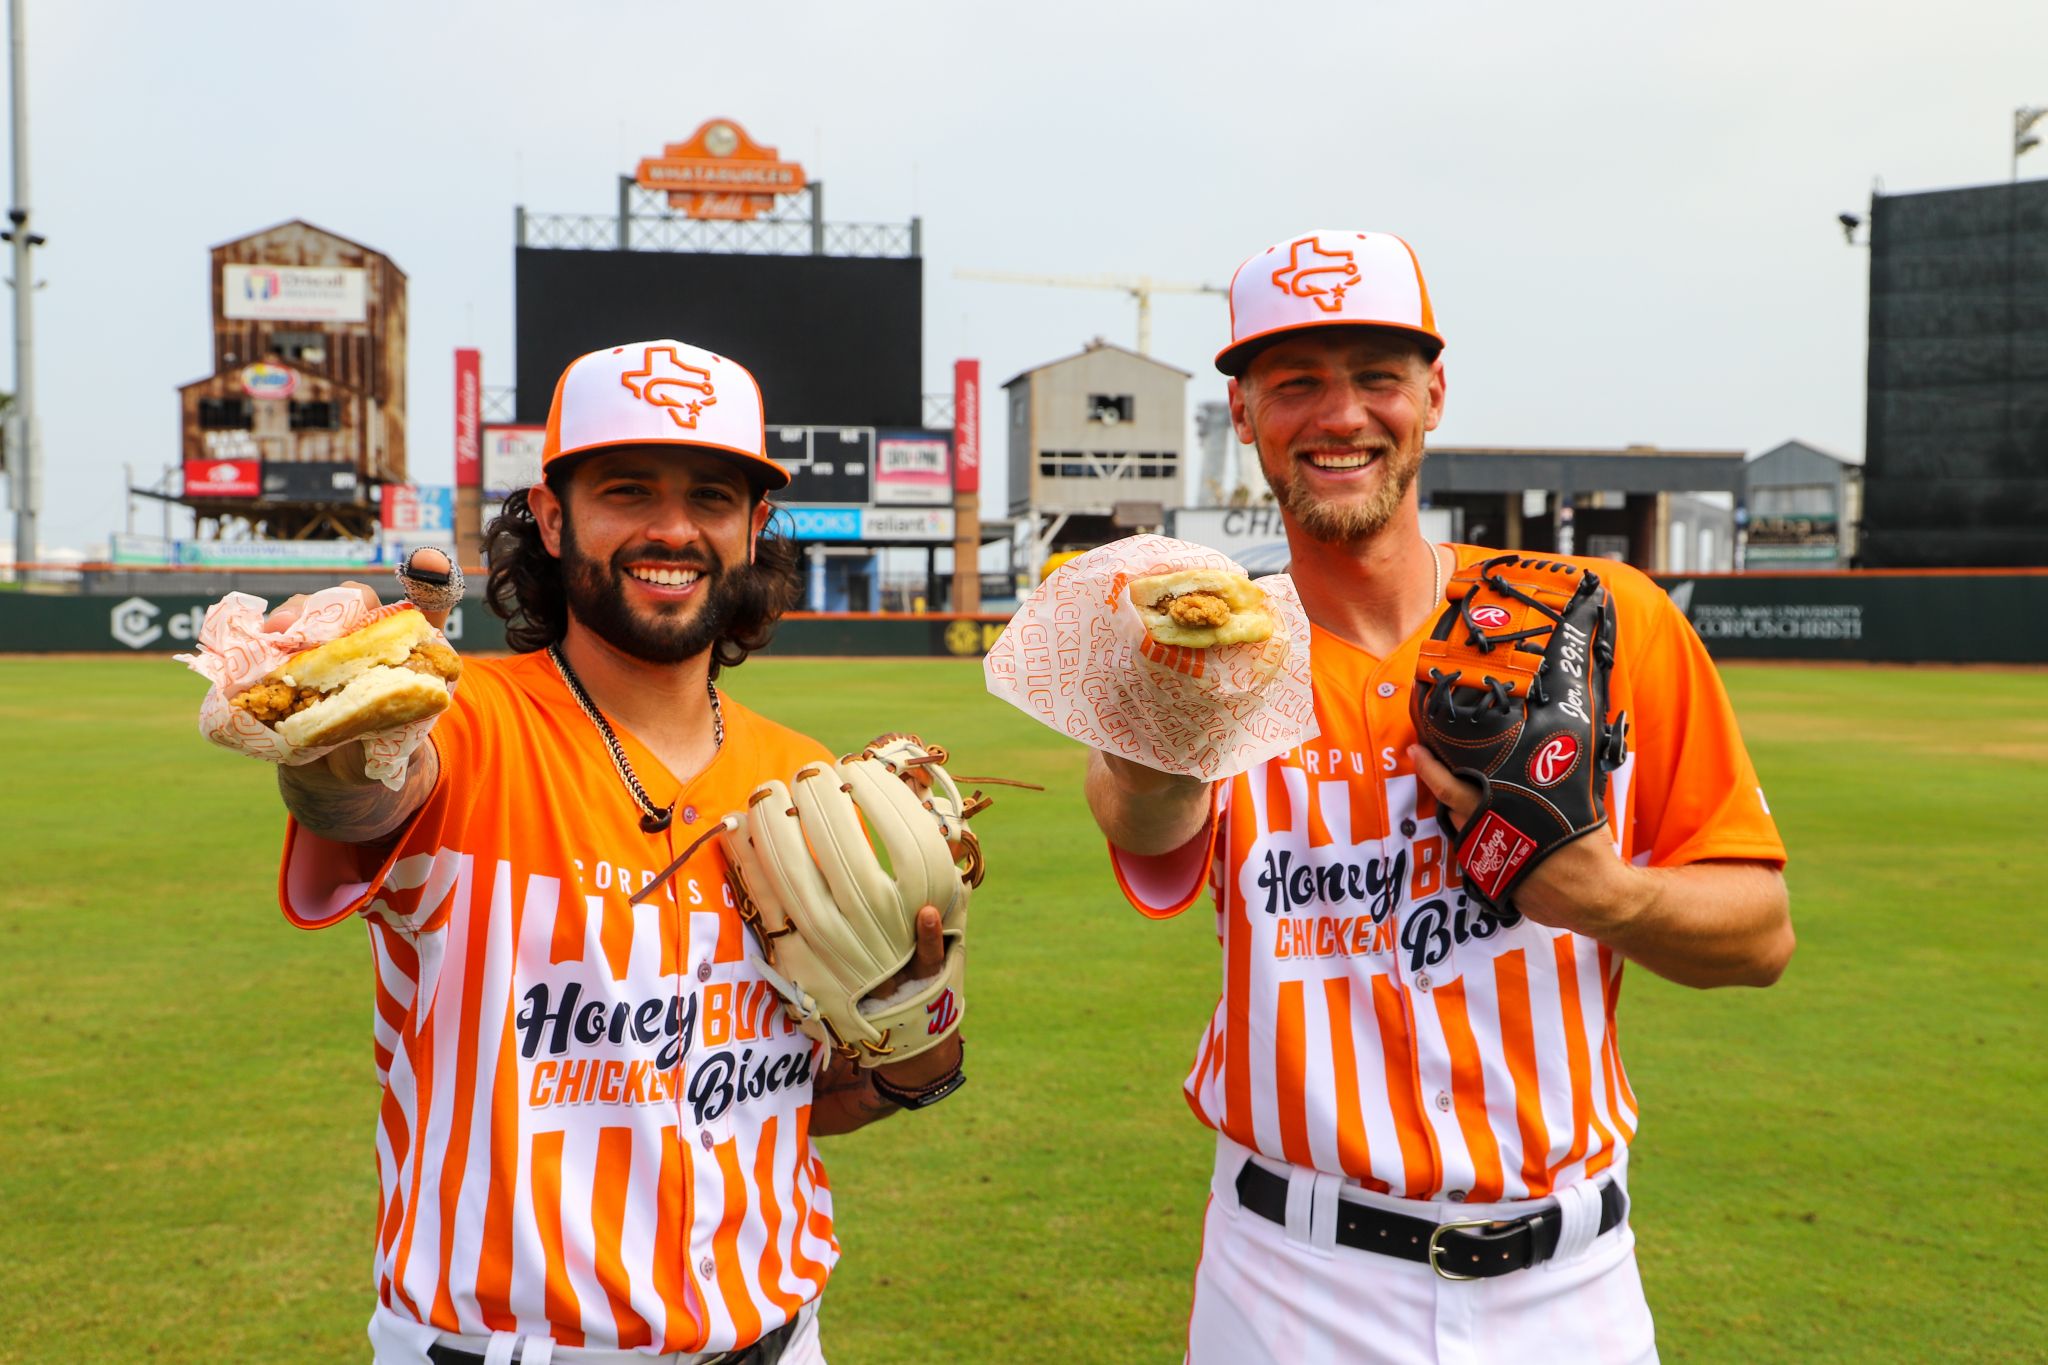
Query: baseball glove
(1511,694)
(834,922)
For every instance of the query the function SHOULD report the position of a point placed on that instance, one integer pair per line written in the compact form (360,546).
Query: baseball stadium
(1444,887)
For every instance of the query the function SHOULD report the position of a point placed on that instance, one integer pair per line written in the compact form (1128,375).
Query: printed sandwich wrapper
(236,652)
(1077,657)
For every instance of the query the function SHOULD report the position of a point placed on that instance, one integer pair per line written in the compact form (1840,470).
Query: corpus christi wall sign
(720,172)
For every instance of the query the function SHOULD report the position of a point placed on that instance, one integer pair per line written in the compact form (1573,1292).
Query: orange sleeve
(1161,885)
(1694,793)
(322,882)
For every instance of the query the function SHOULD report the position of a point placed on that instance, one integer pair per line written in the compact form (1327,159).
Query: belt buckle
(1436,1247)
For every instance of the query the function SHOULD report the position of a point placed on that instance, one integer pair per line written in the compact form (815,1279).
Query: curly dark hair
(525,585)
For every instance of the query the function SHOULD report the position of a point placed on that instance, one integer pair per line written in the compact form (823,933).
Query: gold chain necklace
(653,819)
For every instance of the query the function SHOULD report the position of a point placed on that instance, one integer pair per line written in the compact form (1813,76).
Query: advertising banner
(321,481)
(511,458)
(223,478)
(1793,540)
(166,622)
(967,426)
(264,380)
(822,523)
(126,548)
(231,445)
(284,293)
(1256,537)
(408,507)
(890,523)
(720,172)
(913,470)
(469,397)
(866,523)
(295,554)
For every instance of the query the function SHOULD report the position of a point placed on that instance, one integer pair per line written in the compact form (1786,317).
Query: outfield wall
(1872,616)
(165,623)
(1960,616)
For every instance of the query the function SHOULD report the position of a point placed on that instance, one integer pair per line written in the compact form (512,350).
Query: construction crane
(1139,287)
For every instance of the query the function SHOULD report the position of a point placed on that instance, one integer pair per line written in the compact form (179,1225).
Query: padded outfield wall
(1875,617)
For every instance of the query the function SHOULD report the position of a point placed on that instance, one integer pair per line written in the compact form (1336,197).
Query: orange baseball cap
(661,393)
(1325,278)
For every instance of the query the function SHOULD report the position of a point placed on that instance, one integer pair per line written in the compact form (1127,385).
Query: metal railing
(501,402)
(644,222)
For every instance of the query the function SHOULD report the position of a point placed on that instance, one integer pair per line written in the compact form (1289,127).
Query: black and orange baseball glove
(1511,694)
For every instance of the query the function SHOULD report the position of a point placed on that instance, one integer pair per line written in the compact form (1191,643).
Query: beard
(1351,519)
(596,593)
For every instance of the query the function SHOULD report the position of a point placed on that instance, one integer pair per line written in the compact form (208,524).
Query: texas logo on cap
(1325,278)
(662,392)
(1322,277)
(661,375)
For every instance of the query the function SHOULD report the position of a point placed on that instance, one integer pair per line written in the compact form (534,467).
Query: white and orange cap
(661,393)
(1325,278)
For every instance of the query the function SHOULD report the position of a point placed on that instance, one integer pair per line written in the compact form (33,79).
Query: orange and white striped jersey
(595,1120)
(1374,1024)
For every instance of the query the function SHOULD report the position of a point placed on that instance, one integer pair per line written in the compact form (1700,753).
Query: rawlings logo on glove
(1511,694)
(835,925)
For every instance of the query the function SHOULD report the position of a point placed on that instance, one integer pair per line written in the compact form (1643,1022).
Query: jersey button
(1456,1196)
(1422,982)
(689,815)
(1443,1102)
(707,1267)
(704,971)
(1386,689)
(1408,828)
(704,1136)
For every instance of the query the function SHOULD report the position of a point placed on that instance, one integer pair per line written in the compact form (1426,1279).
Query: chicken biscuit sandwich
(391,671)
(1202,608)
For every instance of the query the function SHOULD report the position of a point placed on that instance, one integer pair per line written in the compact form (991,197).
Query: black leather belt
(765,1351)
(1473,1250)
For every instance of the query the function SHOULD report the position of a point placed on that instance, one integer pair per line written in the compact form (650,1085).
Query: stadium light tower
(2023,140)
(24,475)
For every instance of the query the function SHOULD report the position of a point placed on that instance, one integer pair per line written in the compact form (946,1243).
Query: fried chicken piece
(269,702)
(1198,610)
(433,657)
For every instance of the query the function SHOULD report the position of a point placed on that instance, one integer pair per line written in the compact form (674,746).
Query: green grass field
(1844,1168)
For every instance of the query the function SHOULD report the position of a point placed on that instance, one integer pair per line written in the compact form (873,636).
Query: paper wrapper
(1077,656)
(235,652)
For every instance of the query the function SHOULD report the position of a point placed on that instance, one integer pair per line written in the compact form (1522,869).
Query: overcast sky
(1625,211)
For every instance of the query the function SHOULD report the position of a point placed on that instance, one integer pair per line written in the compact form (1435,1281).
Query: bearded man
(1422,1122)
(595,1142)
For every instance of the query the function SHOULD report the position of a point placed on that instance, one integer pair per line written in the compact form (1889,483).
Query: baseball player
(595,1142)
(1422,1120)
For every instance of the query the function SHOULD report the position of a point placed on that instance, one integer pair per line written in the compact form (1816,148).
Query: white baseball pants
(397,1341)
(1291,1296)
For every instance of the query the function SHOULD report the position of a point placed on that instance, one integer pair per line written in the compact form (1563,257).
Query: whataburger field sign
(720,172)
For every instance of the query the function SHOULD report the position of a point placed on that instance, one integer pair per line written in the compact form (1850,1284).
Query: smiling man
(1422,1121)
(595,1137)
